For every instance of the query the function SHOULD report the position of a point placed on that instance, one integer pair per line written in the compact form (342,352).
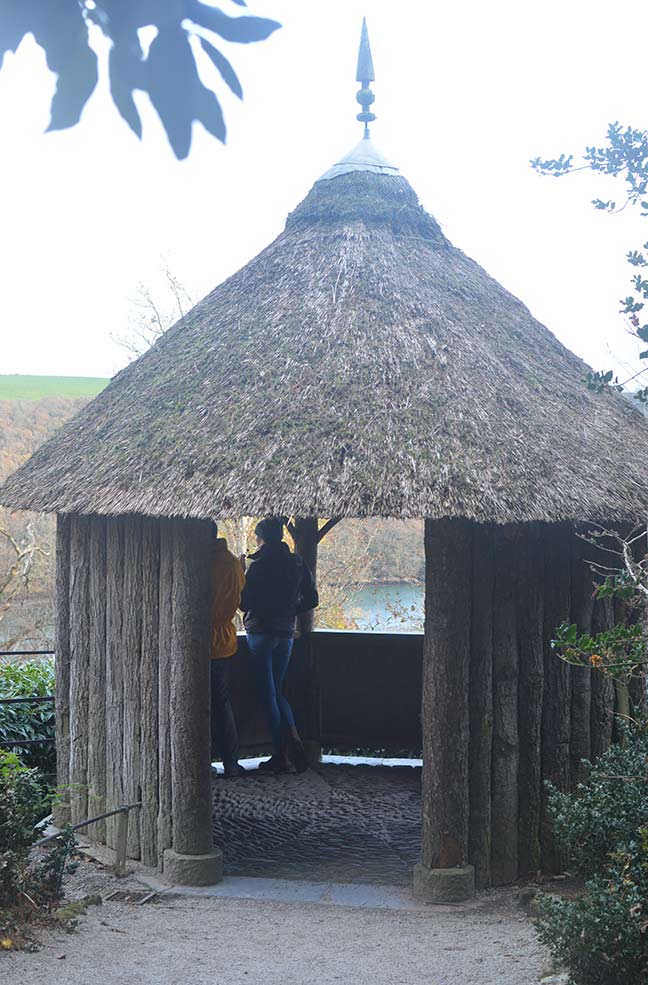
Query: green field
(37,387)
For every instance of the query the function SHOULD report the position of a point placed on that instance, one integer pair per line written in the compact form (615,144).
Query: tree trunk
(446,679)
(132,655)
(149,690)
(115,604)
(305,538)
(481,703)
(62,670)
(190,706)
(97,683)
(602,701)
(582,608)
(556,707)
(504,853)
(306,692)
(165,805)
(79,664)
(530,609)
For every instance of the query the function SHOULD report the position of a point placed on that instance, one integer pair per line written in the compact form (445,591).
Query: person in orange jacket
(228,581)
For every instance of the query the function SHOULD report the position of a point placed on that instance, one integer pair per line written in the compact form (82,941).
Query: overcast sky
(467,92)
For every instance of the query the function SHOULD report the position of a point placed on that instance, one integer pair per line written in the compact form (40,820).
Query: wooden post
(446,680)
(79,664)
(530,609)
(556,707)
(190,707)
(582,608)
(481,703)
(149,691)
(504,852)
(307,699)
(115,605)
(97,679)
(131,657)
(602,699)
(62,670)
(121,849)
(165,786)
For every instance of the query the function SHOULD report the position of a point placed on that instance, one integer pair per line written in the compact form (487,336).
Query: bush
(30,721)
(601,938)
(21,794)
(20,798)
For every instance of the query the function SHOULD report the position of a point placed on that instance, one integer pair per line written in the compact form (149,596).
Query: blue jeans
(270,656)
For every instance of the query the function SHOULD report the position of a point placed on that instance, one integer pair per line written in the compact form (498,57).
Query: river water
(388,608)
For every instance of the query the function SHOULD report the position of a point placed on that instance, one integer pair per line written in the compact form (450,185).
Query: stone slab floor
(339,823)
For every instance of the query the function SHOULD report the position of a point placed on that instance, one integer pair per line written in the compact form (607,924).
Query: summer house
(360,366)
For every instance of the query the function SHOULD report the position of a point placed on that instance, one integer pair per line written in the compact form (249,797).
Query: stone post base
(444,885)
(193,870)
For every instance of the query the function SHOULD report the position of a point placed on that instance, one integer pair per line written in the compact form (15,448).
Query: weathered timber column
(307,699)
(131,658)
(530,611)
(582,608)
(193,860)
(165,787)
(481,703)
(504,850)
(443,873)
(602,699)
(149,691)
(97,679)
(79,664)
(115,605)
(62,670)
(556,706)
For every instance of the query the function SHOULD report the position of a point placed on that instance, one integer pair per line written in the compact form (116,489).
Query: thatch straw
(359,366)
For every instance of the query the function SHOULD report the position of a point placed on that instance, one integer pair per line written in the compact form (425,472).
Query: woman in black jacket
(278,586)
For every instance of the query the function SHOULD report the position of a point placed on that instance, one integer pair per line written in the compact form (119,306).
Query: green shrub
(601,937)
(21,794)
(605,813)
(29,721)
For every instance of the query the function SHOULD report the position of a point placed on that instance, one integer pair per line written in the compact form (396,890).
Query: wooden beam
(530,612)
(97,679)
(79,664)
(481,703)
(556,706)
(445,705)
(62,669)
(504,851)
(190,705)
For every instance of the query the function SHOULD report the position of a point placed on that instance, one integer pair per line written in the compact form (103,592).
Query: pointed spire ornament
(365,76)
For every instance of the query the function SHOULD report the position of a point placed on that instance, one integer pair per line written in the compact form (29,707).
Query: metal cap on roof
(365,156)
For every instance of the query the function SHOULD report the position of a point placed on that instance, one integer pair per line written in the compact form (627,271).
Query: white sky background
(467,93)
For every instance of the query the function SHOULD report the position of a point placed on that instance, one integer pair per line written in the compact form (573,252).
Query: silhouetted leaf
(16,16)
(126,74)
(224,67)
(62,32)
(172,81)
(209,112)
(241,29)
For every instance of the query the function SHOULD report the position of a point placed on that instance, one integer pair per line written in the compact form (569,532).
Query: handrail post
(122,840)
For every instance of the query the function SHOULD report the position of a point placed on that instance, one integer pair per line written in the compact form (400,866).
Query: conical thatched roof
(361,365)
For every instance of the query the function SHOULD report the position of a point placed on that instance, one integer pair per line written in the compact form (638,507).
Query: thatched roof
(360,365)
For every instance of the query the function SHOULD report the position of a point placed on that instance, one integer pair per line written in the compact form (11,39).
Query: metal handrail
(27,653)
(122,833)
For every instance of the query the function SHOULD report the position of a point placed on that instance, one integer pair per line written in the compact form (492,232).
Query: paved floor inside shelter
(344,823)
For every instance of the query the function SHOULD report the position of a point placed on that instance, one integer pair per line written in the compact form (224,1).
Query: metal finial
(365,76)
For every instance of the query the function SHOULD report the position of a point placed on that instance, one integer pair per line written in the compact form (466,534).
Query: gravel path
(192,941)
